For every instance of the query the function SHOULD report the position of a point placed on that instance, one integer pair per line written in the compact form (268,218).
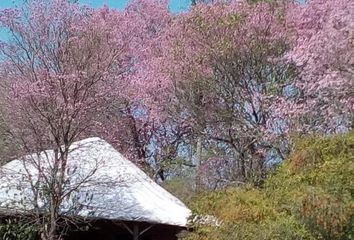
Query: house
(107,192)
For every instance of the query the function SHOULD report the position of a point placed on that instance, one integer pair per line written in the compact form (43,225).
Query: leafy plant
(310,196)
(18,229)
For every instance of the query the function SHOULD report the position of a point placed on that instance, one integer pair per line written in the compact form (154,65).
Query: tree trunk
(243,166)
(198,161)
(52,233)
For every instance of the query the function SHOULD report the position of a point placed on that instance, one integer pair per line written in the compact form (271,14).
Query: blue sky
(175,5)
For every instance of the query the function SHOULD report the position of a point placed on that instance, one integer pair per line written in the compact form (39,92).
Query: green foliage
(3,142)
(182,188)
(8,147)
(246,213)
(316,184)
(18,230)
(310,196)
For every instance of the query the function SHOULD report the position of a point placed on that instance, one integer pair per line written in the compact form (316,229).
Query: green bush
(310,196)
(18,230)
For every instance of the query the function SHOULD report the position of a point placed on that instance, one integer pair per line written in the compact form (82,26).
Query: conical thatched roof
(101,182)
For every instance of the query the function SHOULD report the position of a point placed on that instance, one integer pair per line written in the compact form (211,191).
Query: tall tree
(144,131)
(63,67)
(321,99)
(224,61)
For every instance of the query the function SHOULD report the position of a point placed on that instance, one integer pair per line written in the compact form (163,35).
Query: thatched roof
(107,186)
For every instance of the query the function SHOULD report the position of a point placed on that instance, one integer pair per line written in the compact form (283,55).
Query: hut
(108,193)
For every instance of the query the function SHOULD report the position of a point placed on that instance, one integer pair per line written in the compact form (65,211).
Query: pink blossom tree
(322,100)
(145,132)
(64,66)
(72,72)
(224,63)
(133,109)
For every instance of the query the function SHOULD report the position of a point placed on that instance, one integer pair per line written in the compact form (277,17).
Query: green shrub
(18,230)
(310,196)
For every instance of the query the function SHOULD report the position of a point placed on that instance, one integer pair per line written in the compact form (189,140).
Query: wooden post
(136,232)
